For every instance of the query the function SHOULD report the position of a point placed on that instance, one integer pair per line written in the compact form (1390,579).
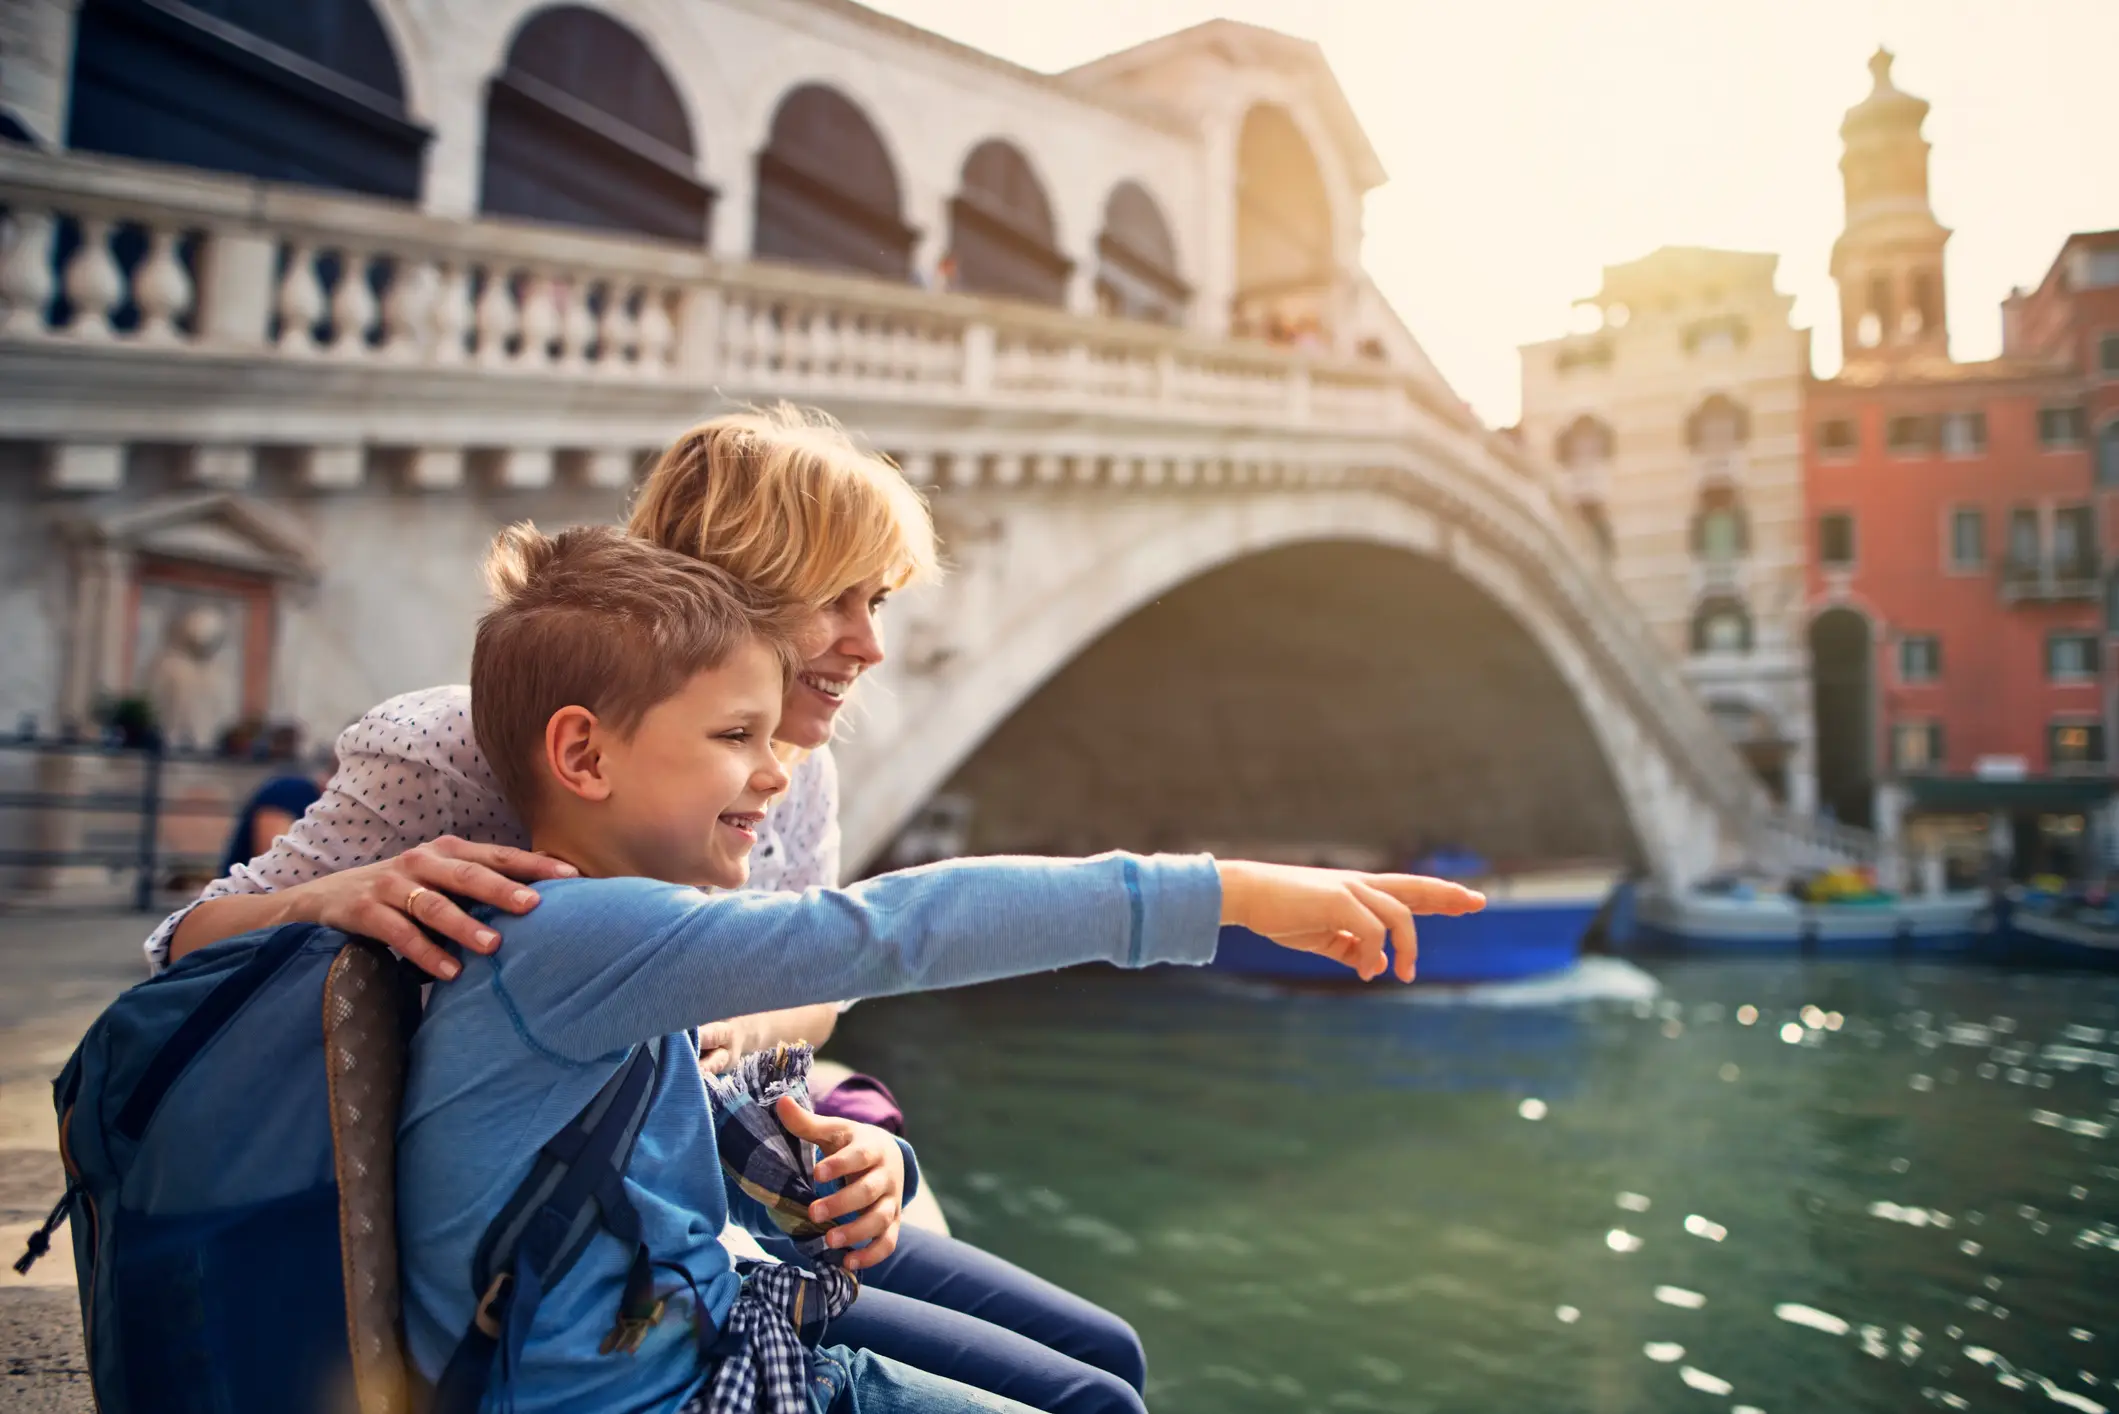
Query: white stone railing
(1792,843)
(220,265)
(233,274)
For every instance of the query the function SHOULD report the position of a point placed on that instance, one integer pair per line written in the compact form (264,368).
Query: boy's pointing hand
(1337,913)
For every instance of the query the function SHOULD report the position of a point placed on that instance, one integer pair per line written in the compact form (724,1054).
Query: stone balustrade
(100,252)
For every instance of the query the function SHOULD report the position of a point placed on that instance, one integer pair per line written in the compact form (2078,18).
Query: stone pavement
(57,971)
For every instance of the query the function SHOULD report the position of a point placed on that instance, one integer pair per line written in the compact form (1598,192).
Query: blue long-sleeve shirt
(513,1048)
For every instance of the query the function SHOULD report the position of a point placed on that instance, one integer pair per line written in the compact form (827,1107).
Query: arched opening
(1329,699)
(1001,234)
(1758,738)
(1286,265)
(1721,532)
(1721,624)
(827,191)
(585,128)
(1842,678)
(1136,273)
(1585,445)
(307,93)
(1718,425)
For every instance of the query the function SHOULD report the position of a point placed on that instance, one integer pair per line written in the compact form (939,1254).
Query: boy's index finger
(1424,895)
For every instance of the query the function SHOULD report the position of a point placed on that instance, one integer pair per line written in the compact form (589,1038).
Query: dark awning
(1966,793)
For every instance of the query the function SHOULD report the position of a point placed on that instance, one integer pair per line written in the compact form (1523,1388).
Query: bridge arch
(1033,626)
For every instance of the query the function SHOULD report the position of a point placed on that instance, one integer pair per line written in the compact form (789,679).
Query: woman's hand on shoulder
(393,899)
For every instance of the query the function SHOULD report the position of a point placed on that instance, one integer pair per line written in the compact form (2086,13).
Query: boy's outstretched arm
(604,963)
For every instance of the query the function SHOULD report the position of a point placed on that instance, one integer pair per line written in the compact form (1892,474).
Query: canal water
(1780,1187)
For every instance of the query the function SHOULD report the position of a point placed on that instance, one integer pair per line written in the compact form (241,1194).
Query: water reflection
(1334,1202)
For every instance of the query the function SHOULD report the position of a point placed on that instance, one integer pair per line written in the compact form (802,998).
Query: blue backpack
(228,1129)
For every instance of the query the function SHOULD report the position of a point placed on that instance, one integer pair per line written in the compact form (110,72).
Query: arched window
(1286,263)
(827,192)
(1721,532)
(283,92)
(1136,275)
(584,128)
(2108,454)
(1721,625)
(1587,442)
(1717,425)
(1001,234)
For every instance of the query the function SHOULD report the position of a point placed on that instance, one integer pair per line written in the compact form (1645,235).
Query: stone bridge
(1203,590)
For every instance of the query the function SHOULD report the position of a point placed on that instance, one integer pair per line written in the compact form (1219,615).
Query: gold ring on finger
(413,898)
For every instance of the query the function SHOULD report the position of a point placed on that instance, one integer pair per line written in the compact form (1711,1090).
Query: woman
(792,506)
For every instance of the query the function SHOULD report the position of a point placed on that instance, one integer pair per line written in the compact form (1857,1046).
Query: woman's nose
(863,639)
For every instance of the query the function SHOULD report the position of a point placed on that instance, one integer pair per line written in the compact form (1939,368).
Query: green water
(1337,1202)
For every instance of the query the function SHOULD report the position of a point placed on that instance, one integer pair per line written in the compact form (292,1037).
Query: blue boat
(1532,925)
(2031,929)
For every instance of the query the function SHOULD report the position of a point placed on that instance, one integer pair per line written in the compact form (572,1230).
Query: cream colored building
(1674,418)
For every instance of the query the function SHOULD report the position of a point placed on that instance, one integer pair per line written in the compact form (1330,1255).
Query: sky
(1532,142)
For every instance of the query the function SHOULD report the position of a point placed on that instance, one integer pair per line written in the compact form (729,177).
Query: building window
(1716,426)
(2071,656)
(2061,427)
(1721,535)
(1968,538)
(1917,746)
(1919,658)
(1721,626)
(2026,544)
(1835,540)
(2108,355)
(1838,438)
(2074,744)
(1964,434)
(1586,444)
(2108,454)
(2100,269)
(1909,436)
(2074,543)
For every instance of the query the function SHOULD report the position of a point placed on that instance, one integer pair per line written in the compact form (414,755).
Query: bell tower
(1888,259)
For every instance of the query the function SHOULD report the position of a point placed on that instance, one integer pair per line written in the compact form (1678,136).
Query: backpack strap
(576,1185)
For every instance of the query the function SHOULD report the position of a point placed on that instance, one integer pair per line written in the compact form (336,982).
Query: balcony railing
(2049,581)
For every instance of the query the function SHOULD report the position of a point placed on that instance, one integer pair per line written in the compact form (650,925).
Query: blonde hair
(785,501)
(593,617)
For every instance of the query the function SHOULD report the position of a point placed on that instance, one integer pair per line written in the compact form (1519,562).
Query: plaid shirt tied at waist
(783,1309)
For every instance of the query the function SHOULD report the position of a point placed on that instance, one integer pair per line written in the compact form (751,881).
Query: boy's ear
(573,753)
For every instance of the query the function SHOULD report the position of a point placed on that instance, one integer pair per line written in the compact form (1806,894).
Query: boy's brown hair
(593,617)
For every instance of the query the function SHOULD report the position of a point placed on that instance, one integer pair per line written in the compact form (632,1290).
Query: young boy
(626,698)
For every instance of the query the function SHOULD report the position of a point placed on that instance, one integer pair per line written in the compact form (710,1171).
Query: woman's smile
(829,689)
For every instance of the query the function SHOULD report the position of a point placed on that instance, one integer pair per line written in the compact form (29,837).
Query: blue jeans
(947,1308)
(843,1381)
